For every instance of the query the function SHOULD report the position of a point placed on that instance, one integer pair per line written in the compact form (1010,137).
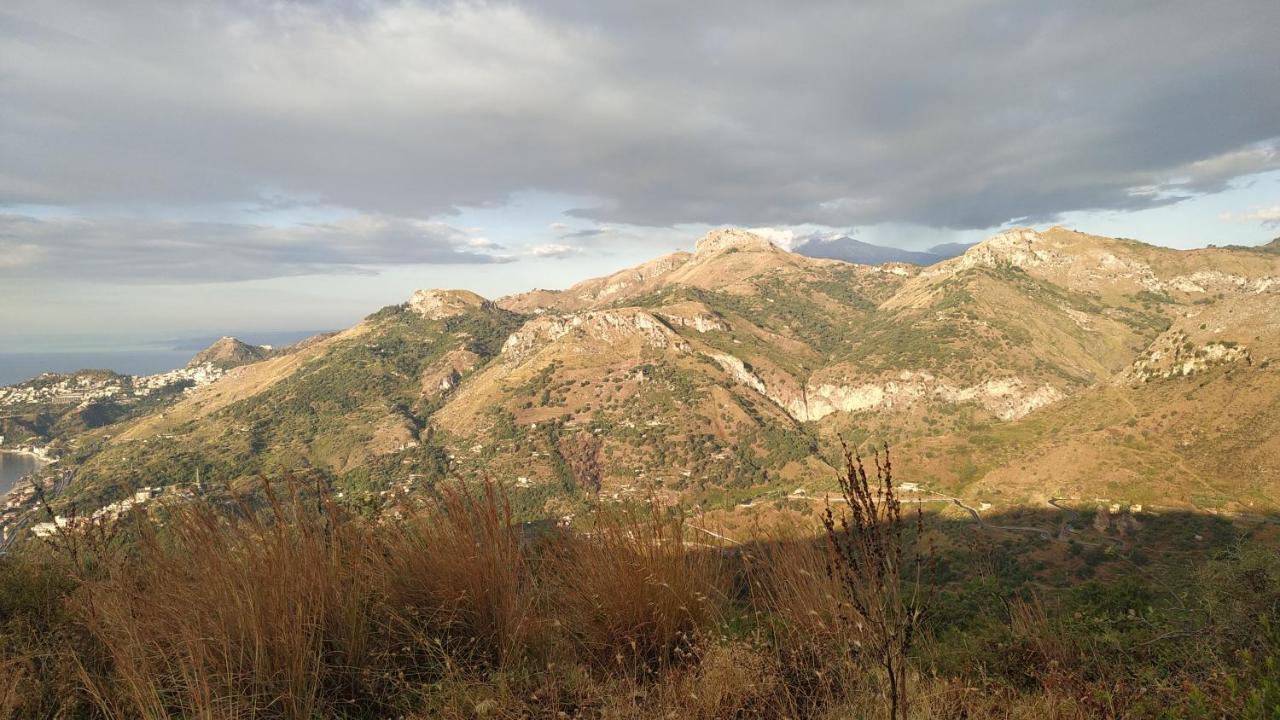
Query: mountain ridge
(849,249)
(735,368)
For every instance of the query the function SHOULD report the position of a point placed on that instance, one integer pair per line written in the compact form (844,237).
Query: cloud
(1267,216)
(556,250)
(785,238)
(128,250)
(1270,217)
(962,114)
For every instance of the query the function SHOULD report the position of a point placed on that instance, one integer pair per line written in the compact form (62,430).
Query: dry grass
(297,609)
(798,603)
(630,593)
(260,615)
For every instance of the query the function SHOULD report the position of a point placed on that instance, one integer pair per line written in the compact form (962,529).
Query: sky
(175,167)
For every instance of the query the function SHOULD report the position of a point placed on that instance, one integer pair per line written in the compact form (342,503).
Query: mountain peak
(726,239)
(1013,237)
(228,352)
(439,304)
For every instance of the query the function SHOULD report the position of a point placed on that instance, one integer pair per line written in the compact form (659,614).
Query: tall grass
(631,593)
(295,608)
(260,614)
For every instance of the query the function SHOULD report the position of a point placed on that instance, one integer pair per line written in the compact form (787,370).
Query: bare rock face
(622,282)
(1019,247)
(440,304)
(727,239)
(739,371)
(1007,398)
(604,327)
(445,375)
(693,315)
(1174,354)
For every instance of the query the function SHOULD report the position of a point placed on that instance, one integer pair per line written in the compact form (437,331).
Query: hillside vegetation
(1035,365)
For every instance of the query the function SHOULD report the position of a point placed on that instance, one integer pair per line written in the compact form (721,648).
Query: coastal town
(87,386)
(29,408)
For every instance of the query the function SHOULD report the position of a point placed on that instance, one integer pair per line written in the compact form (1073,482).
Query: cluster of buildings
(87,387)
(107,514)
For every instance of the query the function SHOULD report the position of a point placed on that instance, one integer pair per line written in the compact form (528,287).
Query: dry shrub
(880,574)
(631,594)
(38,639)
(962,699)
(1042,646)
(17,674)
(790,583)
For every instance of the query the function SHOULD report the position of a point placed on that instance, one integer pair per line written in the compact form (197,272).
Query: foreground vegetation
(293,607)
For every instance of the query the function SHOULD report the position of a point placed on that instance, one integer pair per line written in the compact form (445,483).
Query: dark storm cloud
(134,250)
(963,114)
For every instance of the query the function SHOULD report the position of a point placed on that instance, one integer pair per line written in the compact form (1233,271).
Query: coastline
(14,491)
(35,451)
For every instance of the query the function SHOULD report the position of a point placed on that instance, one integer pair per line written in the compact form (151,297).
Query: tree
(581,451)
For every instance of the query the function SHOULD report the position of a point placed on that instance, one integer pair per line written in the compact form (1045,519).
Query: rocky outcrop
(1210,281)
(619,284)
(731,239)
(693,315)
(440,304)
(1173,354)
(589,293)
(1006,398)
(1081,261)
(1019,247)
(445,375)
(603,327)
(739,371)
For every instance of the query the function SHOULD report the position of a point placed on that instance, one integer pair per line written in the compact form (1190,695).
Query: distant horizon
(178,338)
(192,340)
(131,355)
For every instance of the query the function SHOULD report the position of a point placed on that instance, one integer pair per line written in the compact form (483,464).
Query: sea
(13,466)
(21,366)
(23,358)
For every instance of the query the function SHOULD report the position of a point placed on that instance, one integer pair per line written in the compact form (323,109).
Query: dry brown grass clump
(631,593)
(303,610)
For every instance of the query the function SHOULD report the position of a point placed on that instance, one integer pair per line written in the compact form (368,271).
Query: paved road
(59,485)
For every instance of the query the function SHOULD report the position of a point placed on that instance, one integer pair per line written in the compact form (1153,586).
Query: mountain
(229,352)
(856,251)
(946,251)
(1034,365)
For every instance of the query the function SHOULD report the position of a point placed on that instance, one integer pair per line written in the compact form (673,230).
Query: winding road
(64,479)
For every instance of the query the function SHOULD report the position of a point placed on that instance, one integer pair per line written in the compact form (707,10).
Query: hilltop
(229,352)
(1035,364)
